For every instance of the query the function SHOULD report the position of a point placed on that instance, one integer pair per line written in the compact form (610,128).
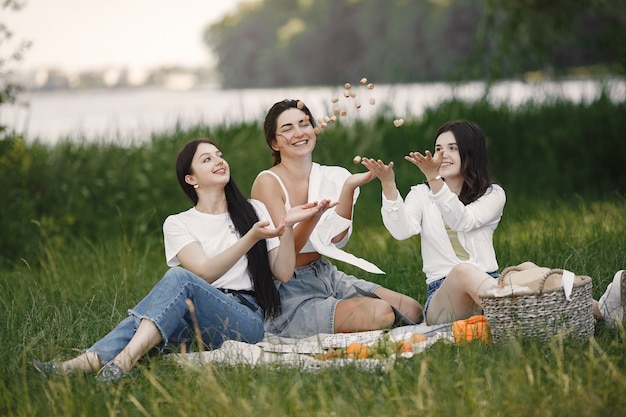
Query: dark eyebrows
(204,154)
(303,120)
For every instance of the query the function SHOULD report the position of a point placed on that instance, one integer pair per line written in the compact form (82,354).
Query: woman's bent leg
(363,313)
(458,297)
(219,316)
(145,338)
(163,315)
(406,305)
(112,344)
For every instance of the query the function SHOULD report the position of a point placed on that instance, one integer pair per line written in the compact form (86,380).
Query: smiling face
(208,167)
(294,133)
(451,166)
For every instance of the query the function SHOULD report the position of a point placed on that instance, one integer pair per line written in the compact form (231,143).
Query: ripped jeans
(220,316)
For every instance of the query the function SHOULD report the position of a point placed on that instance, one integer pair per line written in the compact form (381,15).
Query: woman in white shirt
(224,253)
(319,298)
(456,210)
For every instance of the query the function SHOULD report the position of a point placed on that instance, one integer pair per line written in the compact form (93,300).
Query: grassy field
(81,242)
(79,293)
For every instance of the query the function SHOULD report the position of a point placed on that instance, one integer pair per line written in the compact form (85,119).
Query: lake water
(133,114)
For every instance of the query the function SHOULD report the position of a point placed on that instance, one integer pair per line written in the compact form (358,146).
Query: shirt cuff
(392,205)
(330,225)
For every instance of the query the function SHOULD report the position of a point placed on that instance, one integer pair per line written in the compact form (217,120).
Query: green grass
(80,291)
(95,188)
(81,242)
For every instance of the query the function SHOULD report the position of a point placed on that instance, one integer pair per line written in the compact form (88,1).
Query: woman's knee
(178,275)
(460,271)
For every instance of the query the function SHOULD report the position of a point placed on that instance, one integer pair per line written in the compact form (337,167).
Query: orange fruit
(472,328)
(403,346)
(357,350)
(332,354)
(417,338)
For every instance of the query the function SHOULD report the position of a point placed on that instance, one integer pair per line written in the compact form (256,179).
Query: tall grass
(94,187)
(80,242)
(81,291)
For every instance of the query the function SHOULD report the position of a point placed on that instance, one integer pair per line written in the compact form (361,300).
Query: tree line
(272,43)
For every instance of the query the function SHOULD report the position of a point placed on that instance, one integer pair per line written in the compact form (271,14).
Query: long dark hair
(269,127)
(243,217)
(474,160)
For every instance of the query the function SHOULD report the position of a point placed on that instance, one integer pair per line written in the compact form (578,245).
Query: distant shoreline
(135,113)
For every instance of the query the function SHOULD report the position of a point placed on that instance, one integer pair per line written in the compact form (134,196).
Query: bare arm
(193,258)
(283,258)
(346,198)
(267,190)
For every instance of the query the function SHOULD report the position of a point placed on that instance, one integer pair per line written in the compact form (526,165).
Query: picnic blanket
(303,353)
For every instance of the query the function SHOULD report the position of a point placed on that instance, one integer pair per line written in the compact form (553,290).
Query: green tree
(323,42)
(552,36)
(9,90)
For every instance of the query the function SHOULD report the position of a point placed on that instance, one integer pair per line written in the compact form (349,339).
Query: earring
(195,186)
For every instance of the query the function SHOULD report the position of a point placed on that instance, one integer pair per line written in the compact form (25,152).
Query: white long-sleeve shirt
(424,213)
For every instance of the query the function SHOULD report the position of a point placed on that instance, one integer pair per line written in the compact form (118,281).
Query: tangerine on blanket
(472,328)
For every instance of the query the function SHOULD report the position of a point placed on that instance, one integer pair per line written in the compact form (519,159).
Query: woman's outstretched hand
(260,230)
(384,172)
(357,180)
(429,164)
(305,211)
(378,168)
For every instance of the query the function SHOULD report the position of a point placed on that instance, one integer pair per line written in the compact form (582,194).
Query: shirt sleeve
(331,224)
(403,218)
(464,218)
(175,237)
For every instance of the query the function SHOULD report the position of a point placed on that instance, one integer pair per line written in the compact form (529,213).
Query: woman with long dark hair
(455,211)
(224,254)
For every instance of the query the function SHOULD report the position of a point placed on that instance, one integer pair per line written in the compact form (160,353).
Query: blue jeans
(220,316)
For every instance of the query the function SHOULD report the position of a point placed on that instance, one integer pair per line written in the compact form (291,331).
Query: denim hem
(139,318)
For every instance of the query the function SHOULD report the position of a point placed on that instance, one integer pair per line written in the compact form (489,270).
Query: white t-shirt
(215,233)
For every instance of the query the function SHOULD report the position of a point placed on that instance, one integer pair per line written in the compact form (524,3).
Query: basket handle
(542,281)
(545,277)
(507,271)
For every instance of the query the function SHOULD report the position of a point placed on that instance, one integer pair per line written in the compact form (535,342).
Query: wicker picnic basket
(541,312)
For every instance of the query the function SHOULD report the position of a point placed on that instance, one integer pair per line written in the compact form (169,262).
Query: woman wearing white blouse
(319,298)
(456,210)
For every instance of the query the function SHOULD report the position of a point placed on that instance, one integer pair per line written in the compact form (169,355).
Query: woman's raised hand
(429,164)
(260,230)
(305,211)
(362,178)
(385,174)
(378,168)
